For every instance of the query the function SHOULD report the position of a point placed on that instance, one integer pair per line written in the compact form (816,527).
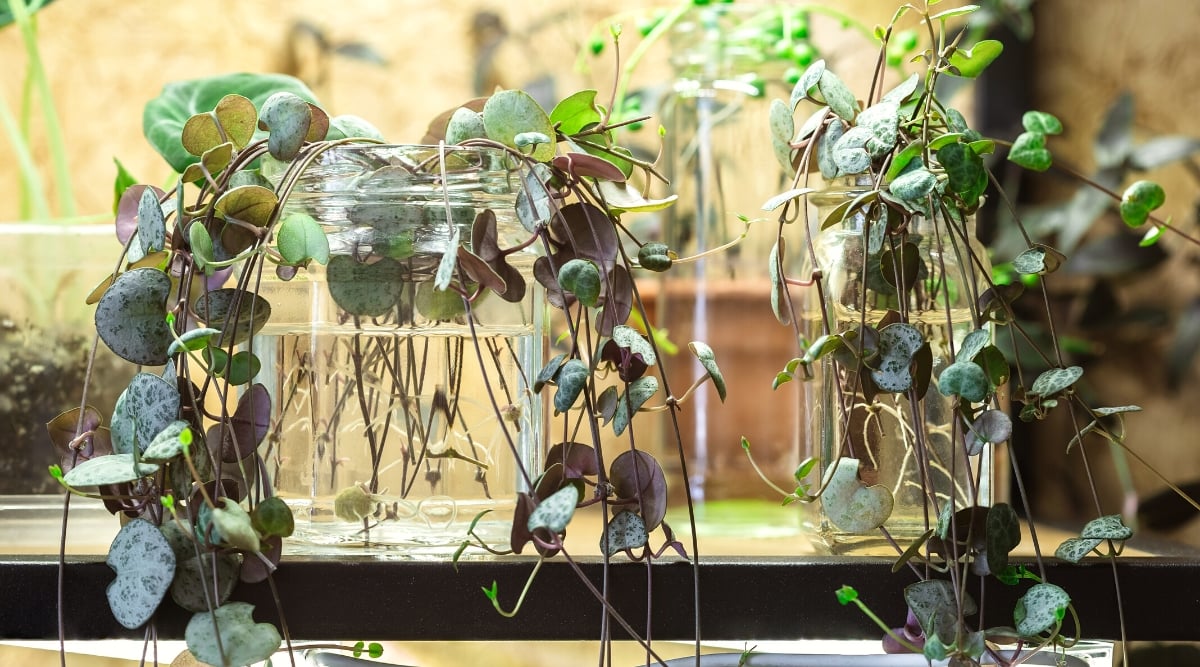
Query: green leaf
(581,277)
(237,313)
(163,117)
(273,518)
(349,126)
(548,372)
(952,13)
(966,380)
(621,197)
(241,368)
(807,81)
(973,343)
(1003,534)
(555,512)
(851,505)
(244,642)
(783,126)
(108,469)
(576,112)
(1040,608)
(966,171)
(838,96)
(571,380)
(655,257)
(626,530)
(233,526)
(1029,151)
(196,339)
(898,345)
(631,339)
(825,149)
(169,442)
(882,119)
(970,63)
(509,113)
(465,124)
(1038,260)
(1055,380)
(900,94)
(779,292)
(300,239)
(913,186)
(147,406)
(131,317)
(145,565)
(152,227)
(1139,200)
(639,391)
(287,118)
(1041,122)
(366,290)
(1076,549)
(193,586)
(201,244)
(704,354)
(1109,527)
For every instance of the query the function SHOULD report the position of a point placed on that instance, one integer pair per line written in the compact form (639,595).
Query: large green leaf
(163,117)
(131,317)
(243,641)
(145,565)
(509,113)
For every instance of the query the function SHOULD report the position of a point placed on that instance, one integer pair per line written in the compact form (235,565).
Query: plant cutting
(903,328)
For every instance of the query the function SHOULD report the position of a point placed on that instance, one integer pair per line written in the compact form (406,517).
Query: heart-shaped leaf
(966,380)
(465,124)
(131,317)
(991,426)
(232,527)
(241,641)
(169,443)
(782,126)
(301,239)
(898,345)
(237,313)
(152,226)
(581,277)
(105,470)
(970,63)
(1055,380)
(851,505)
(1040,608)
(637,475)
(704,354)
(1003,535)
(1042,122)
(193,588)
(555,512)
(147,406)
(1076,549)
(626,530)
(967,175)
(1109,527)
(1139,200)
(273,517)
(511,112)
(164,117)
(145,566)
(1038,260)
(837,95)
(1029,151)
(571,380)
(364,289)
(640,391)
(287,117)
(575,112)
(655,257)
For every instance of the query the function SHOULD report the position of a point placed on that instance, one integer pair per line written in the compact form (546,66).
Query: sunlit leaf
(145,565)
(850,504)
(509,113)
(243,641)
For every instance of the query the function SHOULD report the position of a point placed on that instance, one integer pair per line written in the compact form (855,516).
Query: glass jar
(914,450)
(399,417)
(719,159)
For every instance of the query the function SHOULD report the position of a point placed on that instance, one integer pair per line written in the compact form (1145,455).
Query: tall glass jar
(719,158)
(913,450)
(400,417)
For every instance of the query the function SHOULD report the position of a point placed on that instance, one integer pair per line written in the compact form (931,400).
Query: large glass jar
(719,159)
(400,415)
(914,449)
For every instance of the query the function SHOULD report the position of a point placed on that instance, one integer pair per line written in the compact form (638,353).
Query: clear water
(882,435)
(397,428)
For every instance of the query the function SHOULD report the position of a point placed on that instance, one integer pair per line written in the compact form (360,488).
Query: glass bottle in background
(881,431)
(387,435)
(718,157)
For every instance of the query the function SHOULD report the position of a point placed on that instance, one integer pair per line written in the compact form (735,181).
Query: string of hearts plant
(184,455)
(919,172)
